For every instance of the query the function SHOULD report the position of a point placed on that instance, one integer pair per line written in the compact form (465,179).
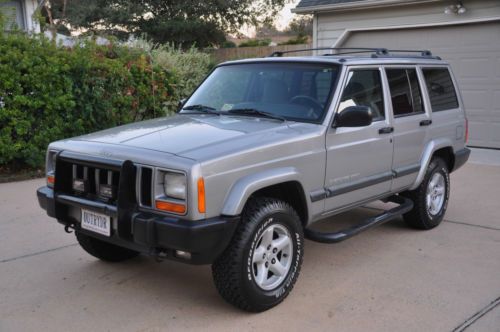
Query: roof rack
(423,53)
(376,52)
(351,50)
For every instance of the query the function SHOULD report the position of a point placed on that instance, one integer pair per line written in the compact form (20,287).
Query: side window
(440,88)
(364,88)
(12,13)
(406,96)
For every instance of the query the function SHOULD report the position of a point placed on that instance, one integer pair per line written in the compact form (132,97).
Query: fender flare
(431,147)
(243,188)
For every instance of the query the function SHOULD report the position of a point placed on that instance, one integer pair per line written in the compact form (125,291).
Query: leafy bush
(296,41)
(189,66)
(255,43)
(49,93)
(228,44)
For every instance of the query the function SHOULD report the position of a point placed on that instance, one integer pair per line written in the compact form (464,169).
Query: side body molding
(246,186)
(431,147)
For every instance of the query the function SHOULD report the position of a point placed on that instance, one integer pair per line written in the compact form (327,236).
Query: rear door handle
(425,123)
(386,130)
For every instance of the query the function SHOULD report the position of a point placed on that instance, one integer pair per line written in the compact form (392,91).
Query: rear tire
(431,197)
(260,266)
(104,251)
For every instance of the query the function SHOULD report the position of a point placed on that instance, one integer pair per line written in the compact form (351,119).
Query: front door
(359,159)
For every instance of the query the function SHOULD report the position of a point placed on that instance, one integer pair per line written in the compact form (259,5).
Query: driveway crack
(474,318)
(36,253)
(472,225)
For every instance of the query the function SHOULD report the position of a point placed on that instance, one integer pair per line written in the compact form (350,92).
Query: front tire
(260,266)
(430,199)
(104,251)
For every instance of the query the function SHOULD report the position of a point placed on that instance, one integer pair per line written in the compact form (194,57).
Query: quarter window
(440,88)
(406,96)
(364,88)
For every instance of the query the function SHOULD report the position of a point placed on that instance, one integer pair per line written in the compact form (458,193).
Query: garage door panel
(484,134)
(475,67)
(473,51)
(473,98)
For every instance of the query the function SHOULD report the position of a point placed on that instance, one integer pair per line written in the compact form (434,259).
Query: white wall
(31,23)
(331,26)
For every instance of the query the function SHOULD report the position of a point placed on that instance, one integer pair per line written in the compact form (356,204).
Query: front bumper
(146,232)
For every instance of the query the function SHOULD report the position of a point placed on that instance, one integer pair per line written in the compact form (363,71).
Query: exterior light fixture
(457,9)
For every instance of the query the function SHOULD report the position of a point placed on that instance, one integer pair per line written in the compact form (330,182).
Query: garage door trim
(347,32)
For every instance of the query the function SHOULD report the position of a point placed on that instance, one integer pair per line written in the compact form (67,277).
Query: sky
(284,18)
(286,15)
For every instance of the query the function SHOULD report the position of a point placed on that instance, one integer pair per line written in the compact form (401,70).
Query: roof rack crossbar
(379,51)
(346,53)
(422,52)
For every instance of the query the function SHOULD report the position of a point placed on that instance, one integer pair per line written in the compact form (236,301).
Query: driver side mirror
(354,116)
(180,104)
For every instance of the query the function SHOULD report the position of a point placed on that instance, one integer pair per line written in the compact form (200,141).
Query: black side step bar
(405,205)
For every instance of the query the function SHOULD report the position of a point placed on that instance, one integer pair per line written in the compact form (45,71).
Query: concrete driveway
(388,279)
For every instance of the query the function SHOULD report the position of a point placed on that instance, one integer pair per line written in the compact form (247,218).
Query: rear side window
(441,89)
(406,96)
(364,88)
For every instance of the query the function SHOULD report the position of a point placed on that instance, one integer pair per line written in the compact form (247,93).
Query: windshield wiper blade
(254,111)
(201,108)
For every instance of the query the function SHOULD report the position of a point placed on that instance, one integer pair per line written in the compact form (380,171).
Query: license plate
(96,222)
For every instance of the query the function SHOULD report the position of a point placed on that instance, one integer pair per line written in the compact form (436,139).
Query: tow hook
(160,256)
(68,228)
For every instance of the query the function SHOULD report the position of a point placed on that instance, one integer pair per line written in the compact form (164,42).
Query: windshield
(292,91)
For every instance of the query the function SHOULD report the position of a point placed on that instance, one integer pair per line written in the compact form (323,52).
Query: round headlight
(174,185)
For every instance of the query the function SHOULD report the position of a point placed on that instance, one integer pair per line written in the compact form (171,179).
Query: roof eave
(366,4)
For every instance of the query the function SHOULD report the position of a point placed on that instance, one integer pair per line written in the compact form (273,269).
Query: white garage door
(474,53)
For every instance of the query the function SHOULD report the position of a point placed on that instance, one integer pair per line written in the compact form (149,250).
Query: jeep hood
(197,136)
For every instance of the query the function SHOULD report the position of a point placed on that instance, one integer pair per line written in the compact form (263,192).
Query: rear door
(410,121)
(359,159)
(448,115)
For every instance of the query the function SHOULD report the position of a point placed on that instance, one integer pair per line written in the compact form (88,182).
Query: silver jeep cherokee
(260,151)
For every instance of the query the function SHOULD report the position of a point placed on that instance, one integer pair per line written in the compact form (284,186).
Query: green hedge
(49,93)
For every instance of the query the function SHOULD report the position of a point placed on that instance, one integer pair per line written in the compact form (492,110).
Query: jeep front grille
(144,186)
(88,182)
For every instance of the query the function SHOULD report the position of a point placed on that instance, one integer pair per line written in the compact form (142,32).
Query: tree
(187,22)
(302,26)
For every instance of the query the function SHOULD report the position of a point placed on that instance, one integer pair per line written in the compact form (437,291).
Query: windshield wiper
(201,108)
(254,111)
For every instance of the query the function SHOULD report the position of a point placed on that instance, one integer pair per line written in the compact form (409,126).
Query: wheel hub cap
(435,194)
(271,258)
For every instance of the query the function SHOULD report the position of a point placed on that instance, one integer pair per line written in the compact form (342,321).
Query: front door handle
(425,123)
(386,130)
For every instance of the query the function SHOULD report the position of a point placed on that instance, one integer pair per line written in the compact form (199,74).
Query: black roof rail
(376,52)
(422,53)
(351,50)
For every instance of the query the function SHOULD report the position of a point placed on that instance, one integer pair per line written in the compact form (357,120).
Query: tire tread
(226,269)
(418,217)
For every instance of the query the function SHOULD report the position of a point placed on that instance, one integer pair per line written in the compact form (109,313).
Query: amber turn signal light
(201,195)
(170,207)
